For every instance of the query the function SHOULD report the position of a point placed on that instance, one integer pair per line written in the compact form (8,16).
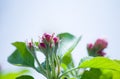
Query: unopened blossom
(47,37)
(101,43)
(42,45)
(30,44)
(97,49)
(56,40)
(90,46)
(101,53)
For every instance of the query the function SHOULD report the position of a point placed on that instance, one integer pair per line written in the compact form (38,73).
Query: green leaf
(117,61)
(110,74)
(67,58)
(106,74)
(64,66)
(65,40)
(66,36)
(84,59)
(21,56)
(12,75)
(110,69)
(68,42)
(100,74)
(91,74)
(25,77)
(116,75)
(101,63)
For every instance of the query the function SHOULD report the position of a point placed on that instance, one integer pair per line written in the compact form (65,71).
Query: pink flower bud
(42,45)
(56,40)
(101,53)
(101,43)
(90,46)
(47,37)
(30,45)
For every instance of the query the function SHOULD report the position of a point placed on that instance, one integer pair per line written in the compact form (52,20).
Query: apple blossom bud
(101,43)
(101,53)
(56,40)
(30,44)
(90,46)
(47,37)
(42,45)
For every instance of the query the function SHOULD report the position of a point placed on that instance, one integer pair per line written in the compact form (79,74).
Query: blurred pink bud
(30,44)
(101,53)
(90,46)
(42,45)
(56,40)
(47,37)
(102,43)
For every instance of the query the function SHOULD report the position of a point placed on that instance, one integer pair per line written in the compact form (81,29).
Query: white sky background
(26,19)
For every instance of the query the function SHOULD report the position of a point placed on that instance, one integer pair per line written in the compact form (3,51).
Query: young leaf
(101,63)
(91,74)
(116,75)
(67,57)
(21,56)
(65,40)
(84,59)
(67,44)
(117,61)
(25,77)
(100,74)
(12,75)
(106,74)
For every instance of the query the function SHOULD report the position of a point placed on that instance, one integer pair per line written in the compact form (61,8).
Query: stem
(39,71)
(58,62)
(42,69)
(47,67)
(68,72)
(53,65)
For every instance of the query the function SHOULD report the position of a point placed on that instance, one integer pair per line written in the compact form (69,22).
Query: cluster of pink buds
(48,41)
(97,48)
(101,43)
(30,44)
(31,47)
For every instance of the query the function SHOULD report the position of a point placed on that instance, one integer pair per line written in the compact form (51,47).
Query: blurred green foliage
(12,75)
